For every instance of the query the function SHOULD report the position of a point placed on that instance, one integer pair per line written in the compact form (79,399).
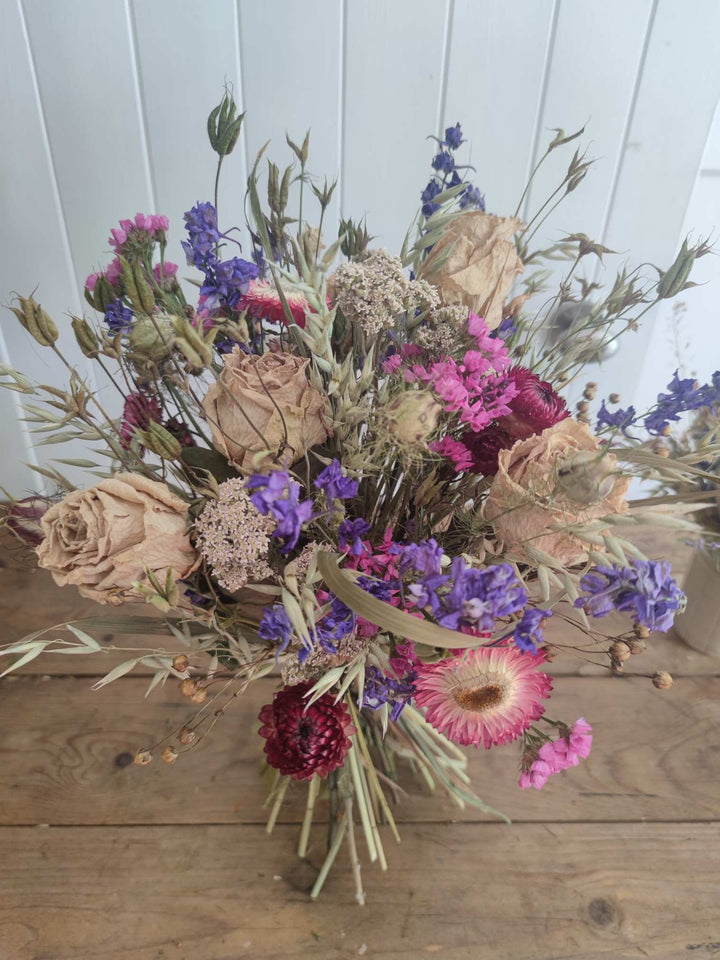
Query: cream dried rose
(474,263)
(102,539)
(265,403)
(544,483)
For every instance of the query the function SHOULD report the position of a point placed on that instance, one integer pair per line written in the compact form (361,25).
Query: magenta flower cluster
(557,755)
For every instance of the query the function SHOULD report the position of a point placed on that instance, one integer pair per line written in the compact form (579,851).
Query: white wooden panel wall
(103,109)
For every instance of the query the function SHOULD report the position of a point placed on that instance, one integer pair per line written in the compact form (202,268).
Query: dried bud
(662,680)
(181,663)
(411,417)
(187,736)
(550,652)
(590,391)
(659,448)
(151,338)
(160,441)
(300,152)
(142,757)
(169,754)
(188,687)
(137,289)
(614,398)
(356,238)
(200,695)
(85,336)
(641,631)
(636,646)
(620,651)
(36,321)
(223,126)
(195,346)
(674,279)
(617,668)
(582,406)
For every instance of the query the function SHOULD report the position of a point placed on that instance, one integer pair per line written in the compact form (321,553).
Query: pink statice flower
(558,755)
(146,226)
(114,272)
(405,659)
(165,273)
(454,450)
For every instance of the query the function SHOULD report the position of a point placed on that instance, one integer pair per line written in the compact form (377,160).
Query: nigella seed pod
(160,442)
(85,336)
(620,651)
(662,680)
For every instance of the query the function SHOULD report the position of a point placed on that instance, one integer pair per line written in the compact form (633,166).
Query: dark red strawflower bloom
(179,430)
(139,410)
(535,407)
(485,446)
(305,741)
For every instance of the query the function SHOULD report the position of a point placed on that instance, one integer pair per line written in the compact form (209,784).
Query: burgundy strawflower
(305,741)
(535,407)
(485,446)
(138,412)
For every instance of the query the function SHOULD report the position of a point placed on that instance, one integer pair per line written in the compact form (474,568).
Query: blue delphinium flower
(118,317)
(474,597)
(682,396)
(507,328)
(381,589)
(428,195)
(380,689)
(338,622)
(226,281)
(453,137)
(351,534)
(620,419)
(471,199)
(201,225)
(422,558)
(528,631)
(275,626)
(645,589)
(335,484)
(277,494)
(443,162)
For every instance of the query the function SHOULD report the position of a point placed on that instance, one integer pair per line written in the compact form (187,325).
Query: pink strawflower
(558,755)
(489,695)
(263,301)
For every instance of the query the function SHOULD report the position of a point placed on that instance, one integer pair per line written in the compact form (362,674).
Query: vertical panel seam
(241,85)
(140,102)
(615,181)
(445,66)
(542,98)
(342,105)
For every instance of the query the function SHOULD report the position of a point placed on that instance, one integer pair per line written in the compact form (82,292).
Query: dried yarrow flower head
(373,290)
(444,333)
(234,537)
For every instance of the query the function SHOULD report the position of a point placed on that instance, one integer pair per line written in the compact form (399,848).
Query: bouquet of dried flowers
(355,470)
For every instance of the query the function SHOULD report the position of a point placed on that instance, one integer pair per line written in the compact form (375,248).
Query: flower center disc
(480,698)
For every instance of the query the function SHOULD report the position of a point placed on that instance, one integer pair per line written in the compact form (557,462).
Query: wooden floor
(104,860)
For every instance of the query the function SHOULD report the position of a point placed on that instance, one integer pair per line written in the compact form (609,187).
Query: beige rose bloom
(538,486)
(474,263)
(103,539)
(257,400)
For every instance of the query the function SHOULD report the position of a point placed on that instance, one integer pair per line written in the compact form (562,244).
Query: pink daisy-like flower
(263,301)
(489,695)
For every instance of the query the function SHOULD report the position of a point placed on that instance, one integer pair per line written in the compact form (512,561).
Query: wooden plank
(304,53)
(68,760)
(177,101)
(497,104)
(394,56)
(586,892)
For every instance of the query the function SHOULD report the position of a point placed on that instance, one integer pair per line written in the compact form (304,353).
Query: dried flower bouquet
(358,470)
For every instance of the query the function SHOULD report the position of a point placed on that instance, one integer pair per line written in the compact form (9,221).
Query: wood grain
(487,892)
(656,757)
